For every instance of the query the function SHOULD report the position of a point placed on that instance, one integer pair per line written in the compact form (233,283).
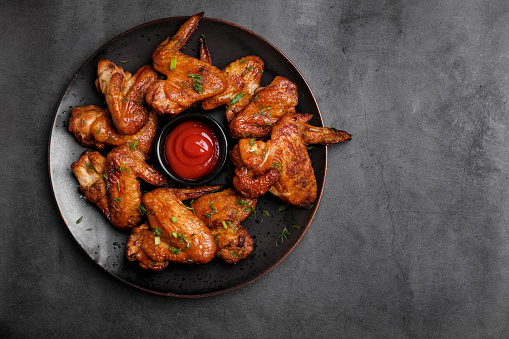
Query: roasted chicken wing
(125,94)
(89,170)
(243,78)
(188,79)
(141,247)
(176,234)
(123,168)
(268,105)
(282,164)
(223,212)
(92,127)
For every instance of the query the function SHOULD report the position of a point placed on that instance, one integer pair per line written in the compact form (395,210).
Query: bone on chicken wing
(125,94)
(269,104)
(243,78)
(181,236)
(123,168)
(92,127)
(223,212)
(89,170)
(188,80)
(282,164)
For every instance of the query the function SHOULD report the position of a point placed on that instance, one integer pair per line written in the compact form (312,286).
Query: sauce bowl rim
(162,136)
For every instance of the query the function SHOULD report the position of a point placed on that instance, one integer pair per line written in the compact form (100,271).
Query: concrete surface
(411,239)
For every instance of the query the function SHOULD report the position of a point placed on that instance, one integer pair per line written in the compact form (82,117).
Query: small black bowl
(163,134)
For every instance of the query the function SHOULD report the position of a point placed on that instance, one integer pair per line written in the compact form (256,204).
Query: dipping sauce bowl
(191,149)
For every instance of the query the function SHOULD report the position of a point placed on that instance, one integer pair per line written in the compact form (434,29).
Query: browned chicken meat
(123,168)
(89,170)
(188,80)
(204,51)
(141,247)
(176,233)
(223,212)
(282,164)
(243,78)
(92,127)
(125,94)
(269,104)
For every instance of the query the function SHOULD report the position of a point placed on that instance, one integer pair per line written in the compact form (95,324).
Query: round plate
(105,244)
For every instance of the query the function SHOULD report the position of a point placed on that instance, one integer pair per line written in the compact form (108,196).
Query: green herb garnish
(236,98)
(90,166)
(196,82)
(134,145)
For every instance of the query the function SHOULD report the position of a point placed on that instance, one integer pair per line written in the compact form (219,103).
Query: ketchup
(192,150)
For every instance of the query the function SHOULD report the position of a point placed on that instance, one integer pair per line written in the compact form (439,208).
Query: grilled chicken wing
(125,94)
(223,212)
(92,127)
(181,236)
(269,104)
(282,165)
(188,79)
(243,78)
(123,168)
(89,170)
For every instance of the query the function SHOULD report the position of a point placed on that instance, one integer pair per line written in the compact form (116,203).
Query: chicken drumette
(125,94)
(124,166)
(267,106)
(223,212)
(92,127)
(188,80)
(89,170)
(282,164)
(176,233)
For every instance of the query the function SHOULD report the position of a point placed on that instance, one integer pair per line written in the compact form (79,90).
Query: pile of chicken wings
(192,225)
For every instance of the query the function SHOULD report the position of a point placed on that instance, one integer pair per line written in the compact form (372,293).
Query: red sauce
(192,150)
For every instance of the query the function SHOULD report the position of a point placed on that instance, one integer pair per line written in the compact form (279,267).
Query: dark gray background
(411,238)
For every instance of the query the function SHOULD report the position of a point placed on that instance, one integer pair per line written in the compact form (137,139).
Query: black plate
(105,244)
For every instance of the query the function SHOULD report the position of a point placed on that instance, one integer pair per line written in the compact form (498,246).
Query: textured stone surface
(411,237)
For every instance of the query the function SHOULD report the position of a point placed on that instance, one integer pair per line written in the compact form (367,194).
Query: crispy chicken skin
(282,164)
(223,212)
(191,79)
(204,51)
(141,247)
(243,78)
(125,94)
(123,168)
(269,104)
(183,237)
(89,170)
(92,127)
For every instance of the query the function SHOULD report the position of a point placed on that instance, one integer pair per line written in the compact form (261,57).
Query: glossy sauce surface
(192,150)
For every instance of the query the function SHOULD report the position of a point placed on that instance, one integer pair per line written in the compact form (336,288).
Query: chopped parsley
(134,145)
(213,210)
(196,82)
(281,207)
